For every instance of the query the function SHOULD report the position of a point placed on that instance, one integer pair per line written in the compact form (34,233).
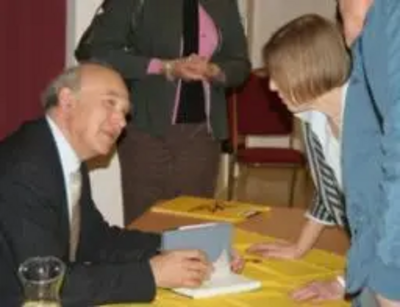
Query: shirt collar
(318,120)
(69,159)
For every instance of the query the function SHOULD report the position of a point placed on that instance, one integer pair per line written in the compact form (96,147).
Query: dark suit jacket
(158,34)
(9,285)
(112,264)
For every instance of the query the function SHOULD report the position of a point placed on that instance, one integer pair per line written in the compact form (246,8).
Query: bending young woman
(308,65)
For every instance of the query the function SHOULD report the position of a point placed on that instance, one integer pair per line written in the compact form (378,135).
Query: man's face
(353,13)
(98,113)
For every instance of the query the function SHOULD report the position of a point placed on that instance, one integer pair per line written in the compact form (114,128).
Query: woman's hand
(278,250)
(185,70)
(209,71)
(195,68)
(319,291)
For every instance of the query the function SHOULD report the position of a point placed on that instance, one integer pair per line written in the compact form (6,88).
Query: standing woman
(178,60)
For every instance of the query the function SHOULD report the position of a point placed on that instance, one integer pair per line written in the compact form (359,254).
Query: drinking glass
(42,278)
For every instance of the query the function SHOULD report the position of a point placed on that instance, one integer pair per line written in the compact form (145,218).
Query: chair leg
(293,187)
(231,176)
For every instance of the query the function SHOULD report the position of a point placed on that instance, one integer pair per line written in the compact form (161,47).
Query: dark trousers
(184,162)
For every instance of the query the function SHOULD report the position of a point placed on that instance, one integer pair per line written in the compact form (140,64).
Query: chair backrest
(255,110)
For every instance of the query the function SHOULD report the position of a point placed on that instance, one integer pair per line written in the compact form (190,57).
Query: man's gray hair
(69,78)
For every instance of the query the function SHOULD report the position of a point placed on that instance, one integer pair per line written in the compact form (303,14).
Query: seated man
(46,206)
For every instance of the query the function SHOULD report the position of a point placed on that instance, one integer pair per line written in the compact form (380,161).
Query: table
(283,223)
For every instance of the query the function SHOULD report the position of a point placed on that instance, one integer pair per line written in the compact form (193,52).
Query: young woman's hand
(319,291)
(277,250)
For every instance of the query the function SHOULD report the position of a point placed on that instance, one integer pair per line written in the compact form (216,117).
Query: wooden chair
(256,111)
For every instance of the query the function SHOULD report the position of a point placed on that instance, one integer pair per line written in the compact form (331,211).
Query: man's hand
(319,291)
(237,262)
(183,268)
(278,250)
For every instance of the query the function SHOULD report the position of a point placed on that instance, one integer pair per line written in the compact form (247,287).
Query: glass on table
(41,279)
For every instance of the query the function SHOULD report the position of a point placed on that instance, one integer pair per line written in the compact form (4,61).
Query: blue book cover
(215,240)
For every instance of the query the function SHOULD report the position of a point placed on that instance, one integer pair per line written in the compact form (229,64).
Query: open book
(215,240)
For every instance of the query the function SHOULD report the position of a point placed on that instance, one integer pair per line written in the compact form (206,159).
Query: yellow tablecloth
(279,277)
(210,209)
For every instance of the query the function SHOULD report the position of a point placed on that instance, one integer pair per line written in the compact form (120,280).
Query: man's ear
(66,98)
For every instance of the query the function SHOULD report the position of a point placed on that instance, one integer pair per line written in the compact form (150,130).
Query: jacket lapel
(53,158)
(215,10)
(165,18)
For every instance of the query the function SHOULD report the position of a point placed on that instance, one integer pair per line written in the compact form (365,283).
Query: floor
(271,186)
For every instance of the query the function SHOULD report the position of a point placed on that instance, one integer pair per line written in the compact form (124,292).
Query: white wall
(261,17)
(268,15)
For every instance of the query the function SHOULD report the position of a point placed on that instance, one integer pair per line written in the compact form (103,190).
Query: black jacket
(112,264)
(158,34)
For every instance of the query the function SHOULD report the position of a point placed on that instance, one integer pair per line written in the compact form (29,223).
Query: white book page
(222,281)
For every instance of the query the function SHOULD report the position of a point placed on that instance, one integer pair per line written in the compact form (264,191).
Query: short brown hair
(307,57)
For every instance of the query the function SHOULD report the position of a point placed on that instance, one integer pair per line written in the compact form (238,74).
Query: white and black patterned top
(324,155)
(328,201)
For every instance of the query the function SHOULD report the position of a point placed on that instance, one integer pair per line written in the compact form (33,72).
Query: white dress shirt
(69,161)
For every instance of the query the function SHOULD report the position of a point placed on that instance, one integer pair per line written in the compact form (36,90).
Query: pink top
(208,42)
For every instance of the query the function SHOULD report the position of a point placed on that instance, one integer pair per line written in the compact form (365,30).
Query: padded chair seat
(257,155)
